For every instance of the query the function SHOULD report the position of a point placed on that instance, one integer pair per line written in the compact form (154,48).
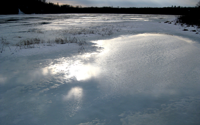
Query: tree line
(43,7)
(192,17)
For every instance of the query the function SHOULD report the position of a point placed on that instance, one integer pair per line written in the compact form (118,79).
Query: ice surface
(132,71)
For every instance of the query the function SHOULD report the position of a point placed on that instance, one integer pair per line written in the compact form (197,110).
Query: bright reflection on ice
(45,71)
(184,39)
(75,93)
(83,72)
(72,68)
(139,19)
(73,100)
(102,45)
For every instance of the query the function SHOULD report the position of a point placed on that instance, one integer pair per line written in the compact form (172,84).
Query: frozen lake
(133,70)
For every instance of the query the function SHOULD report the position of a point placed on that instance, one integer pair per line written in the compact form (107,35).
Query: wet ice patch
(93,122)
(185,111)
(2,79)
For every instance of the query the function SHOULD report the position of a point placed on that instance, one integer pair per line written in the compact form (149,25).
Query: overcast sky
(127,3)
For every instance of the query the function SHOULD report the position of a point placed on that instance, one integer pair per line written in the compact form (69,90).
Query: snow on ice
(96,69)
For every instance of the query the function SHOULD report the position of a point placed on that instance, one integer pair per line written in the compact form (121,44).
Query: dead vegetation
(37,43)
(4,44)
(29,43)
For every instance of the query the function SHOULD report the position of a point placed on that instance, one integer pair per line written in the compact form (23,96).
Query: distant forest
(43,7)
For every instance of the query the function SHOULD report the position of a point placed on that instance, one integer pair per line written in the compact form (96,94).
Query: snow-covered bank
(133,69)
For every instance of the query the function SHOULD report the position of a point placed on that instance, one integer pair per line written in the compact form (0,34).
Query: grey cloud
(128,3)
